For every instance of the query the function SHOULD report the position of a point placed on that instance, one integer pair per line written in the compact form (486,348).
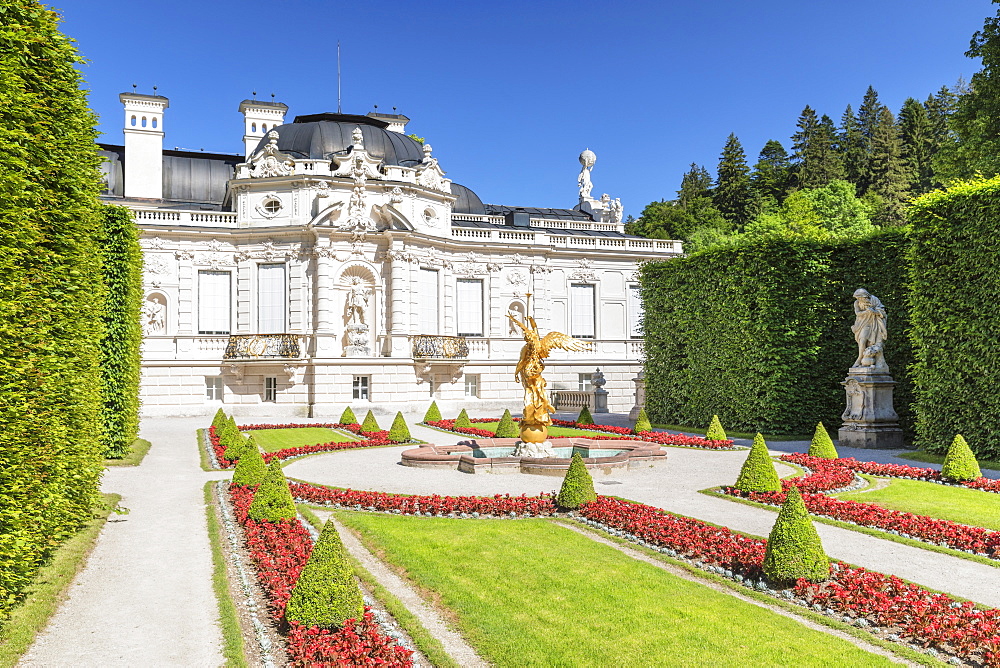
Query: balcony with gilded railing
(262,346)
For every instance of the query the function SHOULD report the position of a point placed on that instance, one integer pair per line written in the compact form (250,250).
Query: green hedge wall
(51,295)
(760,334)
(955,278)
(122,258)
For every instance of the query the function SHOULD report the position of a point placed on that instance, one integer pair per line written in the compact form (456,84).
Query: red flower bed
(614,433)
(499,505)
(925,618)
(371,439)
(279,551)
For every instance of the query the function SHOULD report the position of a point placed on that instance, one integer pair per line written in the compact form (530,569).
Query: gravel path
(145,596)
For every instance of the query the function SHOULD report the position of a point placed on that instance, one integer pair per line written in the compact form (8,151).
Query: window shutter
(270,299)
(214,302)
(635,311)
(581,305)
(470,307)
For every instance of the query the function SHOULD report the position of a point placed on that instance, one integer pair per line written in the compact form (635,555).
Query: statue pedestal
(357,340)
(870,421)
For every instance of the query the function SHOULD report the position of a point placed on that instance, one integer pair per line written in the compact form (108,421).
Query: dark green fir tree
(918,145)
(853,148)
(733,196)
(889,183)
(771,177)
(868,120)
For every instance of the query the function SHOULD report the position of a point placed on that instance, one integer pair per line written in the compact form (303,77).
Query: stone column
(325,343)
(870,421)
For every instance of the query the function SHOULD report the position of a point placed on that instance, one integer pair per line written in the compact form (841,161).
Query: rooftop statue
(536,418)
(869,330)
(587,161)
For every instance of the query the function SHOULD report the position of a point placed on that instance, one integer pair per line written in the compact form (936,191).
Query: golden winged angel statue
(535,418)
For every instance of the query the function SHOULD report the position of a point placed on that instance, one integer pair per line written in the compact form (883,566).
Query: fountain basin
(496,455)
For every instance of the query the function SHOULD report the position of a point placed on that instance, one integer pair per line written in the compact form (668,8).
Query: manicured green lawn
(270,440)
(958,504)
(531,593)
(554,432)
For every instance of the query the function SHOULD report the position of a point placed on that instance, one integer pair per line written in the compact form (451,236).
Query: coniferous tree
(771,176)
(940,107)
(976,120)
(733,196)
(853,148)
(917,139)
(888,172)
(816,150)
(868,120)
(695,183)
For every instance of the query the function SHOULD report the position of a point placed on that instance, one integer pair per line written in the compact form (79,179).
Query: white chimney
(144,144)
(259,118)
(397,122)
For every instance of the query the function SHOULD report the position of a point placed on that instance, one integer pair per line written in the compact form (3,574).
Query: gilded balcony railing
(252,346)
(439,347)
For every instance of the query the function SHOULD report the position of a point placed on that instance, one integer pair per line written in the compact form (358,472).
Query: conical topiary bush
(585,417)
(642,423)
(960,463)
(463,421)
(251,468)
(507,427)
(822,444)
(273,500)
(758,474)
(232,440)
(794,549)
(348,417)
(219,419)
(399,432)
(433,414)
(326,593)
(370,424)
(715,431)
(577,487)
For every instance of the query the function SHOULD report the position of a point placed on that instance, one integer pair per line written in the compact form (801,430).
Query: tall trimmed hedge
(51,295)
(760,334)
(955,280)
(122,259)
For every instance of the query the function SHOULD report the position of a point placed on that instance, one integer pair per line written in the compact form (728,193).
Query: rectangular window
(213,388)
(428,301)
(581,309)
(472,385)
(584,382)
(271,298)
(214,302)
(361,384)
(635,311)
(469,303)
(271,390)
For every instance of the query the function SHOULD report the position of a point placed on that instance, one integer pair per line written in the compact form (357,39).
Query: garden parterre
(831,474)
(614,433)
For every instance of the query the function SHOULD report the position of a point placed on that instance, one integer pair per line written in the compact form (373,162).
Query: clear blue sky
(509,93)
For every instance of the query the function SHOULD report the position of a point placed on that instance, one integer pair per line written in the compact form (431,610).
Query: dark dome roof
(324,136)
(467,202)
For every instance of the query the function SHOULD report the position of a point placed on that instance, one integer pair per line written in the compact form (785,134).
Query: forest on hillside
(841,179)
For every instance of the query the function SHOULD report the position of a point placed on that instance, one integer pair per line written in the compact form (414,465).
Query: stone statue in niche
(869,330)
(357,301)
(616,210)
(154,316)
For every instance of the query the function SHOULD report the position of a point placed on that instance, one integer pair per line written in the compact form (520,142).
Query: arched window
(133,121)
(263,127)
(154,121)
(143,121)
(253,127)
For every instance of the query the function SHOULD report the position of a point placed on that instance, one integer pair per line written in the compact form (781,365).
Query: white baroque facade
(335,263)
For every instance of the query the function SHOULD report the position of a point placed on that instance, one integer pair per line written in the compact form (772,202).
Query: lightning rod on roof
(338,76)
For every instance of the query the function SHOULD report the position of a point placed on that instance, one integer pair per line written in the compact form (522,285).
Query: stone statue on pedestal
(870,421)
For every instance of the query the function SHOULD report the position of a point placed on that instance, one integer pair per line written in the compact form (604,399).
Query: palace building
(335,262)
